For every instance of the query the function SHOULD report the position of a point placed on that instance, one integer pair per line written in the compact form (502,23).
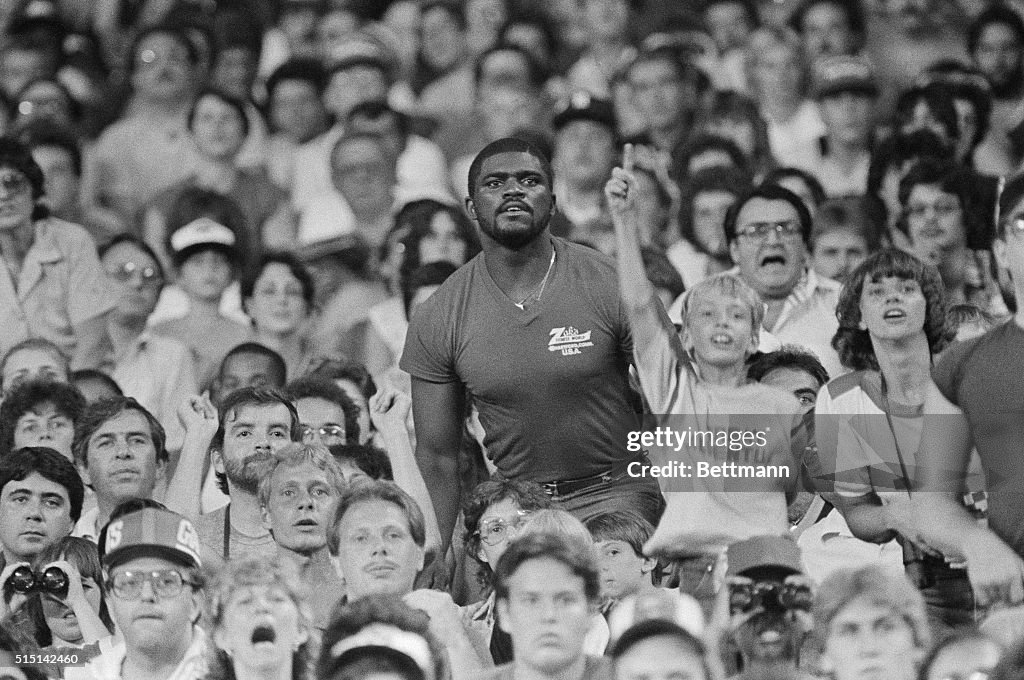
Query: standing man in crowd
(534,331)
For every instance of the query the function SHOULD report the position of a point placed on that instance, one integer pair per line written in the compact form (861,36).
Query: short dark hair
(652,628)
(322,388)
(352,371)
(277,363)
(851,342)
(724,179)
(768,192)
(234,102)
(44,133)
(373,461)
(65,398)
(508,145)
(298,270)
(17,156)
(661,272)
(939,101)
(896,151)
(703,143)
(995,13)
(137,242)
(430,274)
(379,490)
(104,410)
(851,8)
(535,72)
(15,466)
(669,55)
(777,175)
(861,215)
(87,374)
(307,70)
(965,313)
(375,110)
(796,357)
(577,558)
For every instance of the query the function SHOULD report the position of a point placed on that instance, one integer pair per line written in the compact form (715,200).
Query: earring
(861,325)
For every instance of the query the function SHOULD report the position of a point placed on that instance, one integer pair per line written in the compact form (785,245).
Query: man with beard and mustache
(533,329)
(995,40)
(255,423)
(768,603)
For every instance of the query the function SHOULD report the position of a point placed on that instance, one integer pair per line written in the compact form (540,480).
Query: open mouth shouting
(263,635)
(775,260)
(894,314)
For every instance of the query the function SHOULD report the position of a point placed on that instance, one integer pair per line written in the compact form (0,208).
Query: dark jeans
(641,495)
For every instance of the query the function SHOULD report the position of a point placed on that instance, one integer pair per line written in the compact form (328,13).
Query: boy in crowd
(205,256)
(619,538)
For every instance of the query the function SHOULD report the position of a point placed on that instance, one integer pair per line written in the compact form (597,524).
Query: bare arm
(185,487)
(995,570)
(389,409)
(437,410)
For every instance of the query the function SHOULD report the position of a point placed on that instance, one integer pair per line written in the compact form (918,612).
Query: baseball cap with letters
(151,532)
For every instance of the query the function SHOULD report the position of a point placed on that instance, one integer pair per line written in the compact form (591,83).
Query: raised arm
(437,411)
(389,410)
(995,570)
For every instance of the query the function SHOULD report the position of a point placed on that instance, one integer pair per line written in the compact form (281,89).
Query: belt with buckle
(568,486)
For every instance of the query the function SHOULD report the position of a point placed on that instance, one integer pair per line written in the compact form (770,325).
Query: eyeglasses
(783,229)
(14,182)
(166,583)
(494,531)
(942,208)
(327,432)
(124,273)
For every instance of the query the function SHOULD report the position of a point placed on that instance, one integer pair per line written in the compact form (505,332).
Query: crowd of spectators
(511,339)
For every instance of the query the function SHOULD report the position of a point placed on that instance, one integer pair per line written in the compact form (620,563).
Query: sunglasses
(126,271)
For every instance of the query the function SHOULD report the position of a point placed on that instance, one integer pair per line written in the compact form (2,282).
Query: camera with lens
(51,580)
(769,596)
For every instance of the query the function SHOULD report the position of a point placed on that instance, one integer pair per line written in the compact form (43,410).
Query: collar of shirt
(809,285)
(191,667)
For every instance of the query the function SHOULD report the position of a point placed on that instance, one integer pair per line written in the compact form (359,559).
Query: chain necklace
(543,282)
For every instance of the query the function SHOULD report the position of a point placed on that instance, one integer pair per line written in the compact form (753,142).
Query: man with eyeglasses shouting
(156,370)
(52,285)
(768,231)
(154,591)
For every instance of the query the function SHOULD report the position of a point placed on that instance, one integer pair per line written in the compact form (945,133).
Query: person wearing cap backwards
(583,158)
(154,586)
(378,637)
(765,601)
(846,91)
(534,329)
(205,254)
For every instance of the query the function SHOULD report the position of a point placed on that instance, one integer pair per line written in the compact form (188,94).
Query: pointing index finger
(627,158)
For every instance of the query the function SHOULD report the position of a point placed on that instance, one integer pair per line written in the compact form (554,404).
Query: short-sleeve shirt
(61,285)
(719,508)
(982,376)
(551,381)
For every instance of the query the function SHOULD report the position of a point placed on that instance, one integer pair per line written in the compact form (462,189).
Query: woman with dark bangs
(868,423)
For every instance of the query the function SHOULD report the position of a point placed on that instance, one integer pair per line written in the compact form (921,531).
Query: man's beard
(517,239)
(1011,86)
(247,473)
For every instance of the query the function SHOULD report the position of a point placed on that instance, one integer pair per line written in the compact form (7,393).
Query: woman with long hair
(260,623)
(868,423)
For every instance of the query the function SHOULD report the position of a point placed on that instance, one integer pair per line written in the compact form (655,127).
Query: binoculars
(777,597)
(51,580)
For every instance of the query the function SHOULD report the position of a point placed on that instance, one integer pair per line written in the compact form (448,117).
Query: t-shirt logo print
(568,341)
